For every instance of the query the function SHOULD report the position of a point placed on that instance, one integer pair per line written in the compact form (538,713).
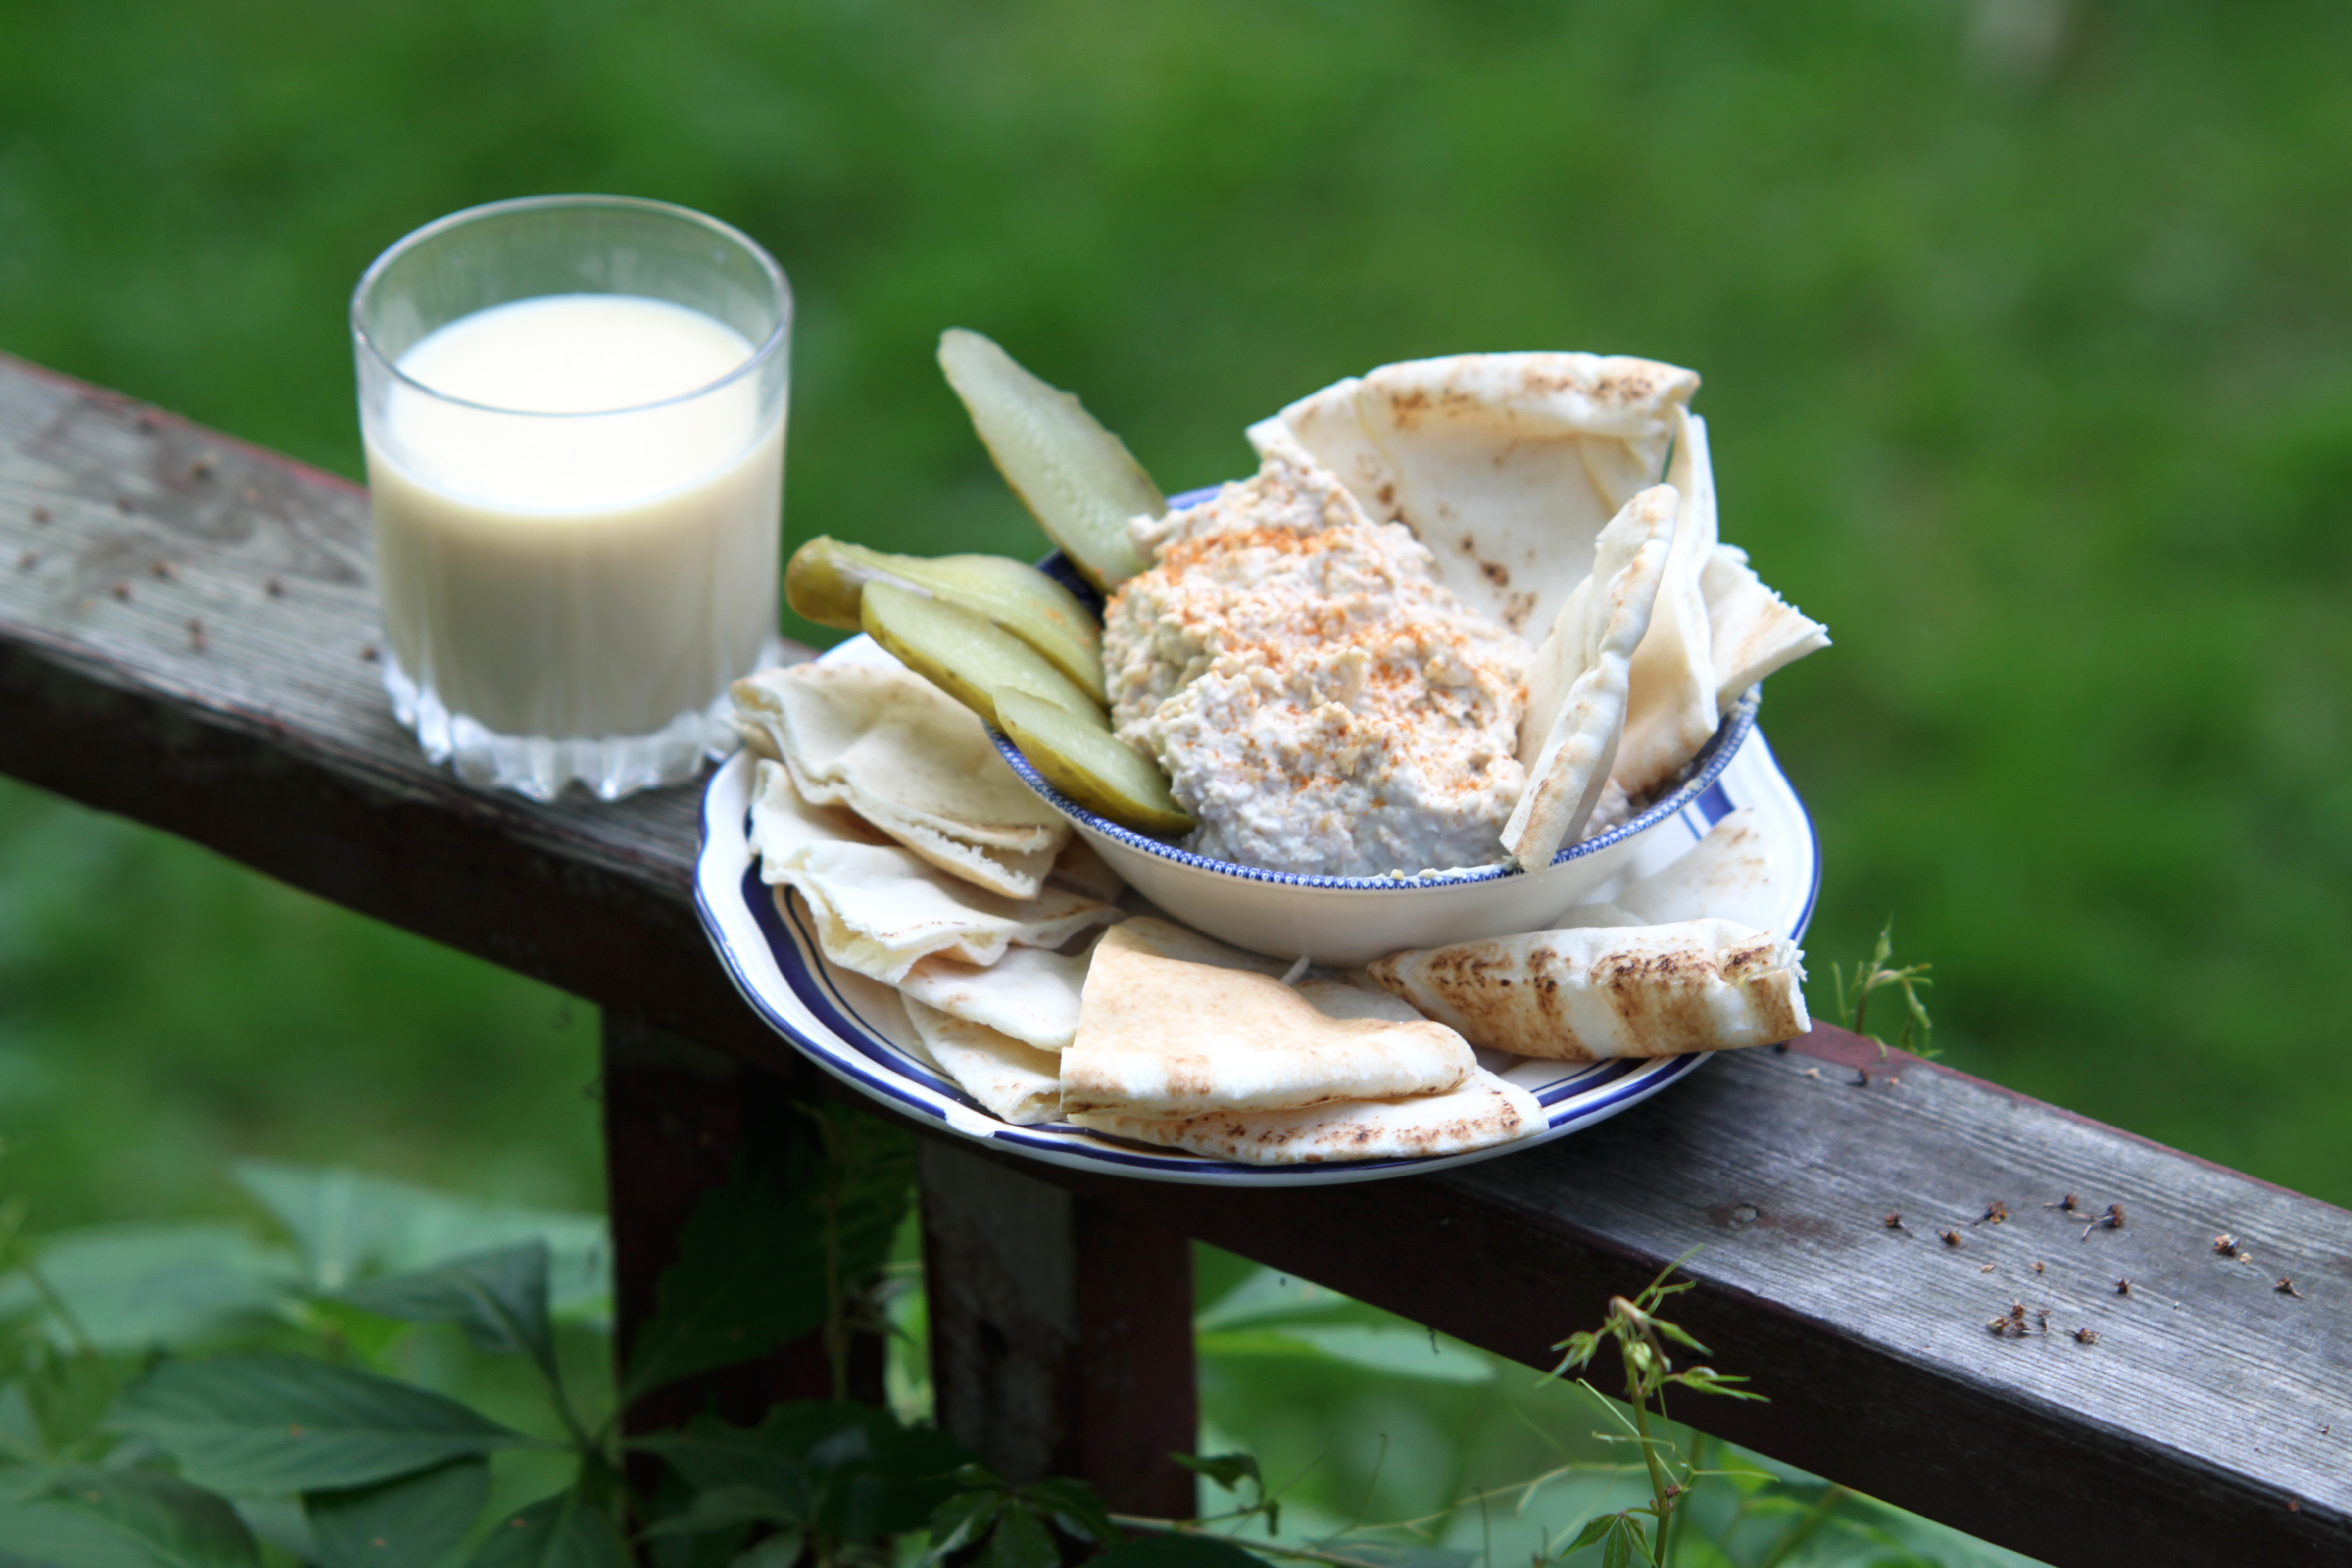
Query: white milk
(566,550)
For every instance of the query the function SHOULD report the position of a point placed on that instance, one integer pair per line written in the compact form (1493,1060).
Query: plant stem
(1637,1396)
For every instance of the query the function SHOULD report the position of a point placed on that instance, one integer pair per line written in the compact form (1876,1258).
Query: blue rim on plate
(771,954)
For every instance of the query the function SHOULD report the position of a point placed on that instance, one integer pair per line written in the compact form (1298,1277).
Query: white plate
(856,1030)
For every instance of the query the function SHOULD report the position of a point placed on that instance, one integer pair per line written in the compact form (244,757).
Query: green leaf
(348,1225)
(1020,1541)
(132,1288)
(1401,1353)
(838,1172)
(85,1518)
(411,1521)
(1228,1471)
(54,1403)
(285,1424)
(1599,1525)
(1676,1332)
(566,1530)
(1075,1510)
(724,1507)
(1621,1541)
(962,1519)
(780,1550)
(499,1298)
(846,1470)
(1176,1550)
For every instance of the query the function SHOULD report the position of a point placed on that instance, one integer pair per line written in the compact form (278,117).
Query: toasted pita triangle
(1011,1083)
(880,910)
(1670,696)
(1172,939)
(1162,1039)
(1030,995)
(1754,631)
(1596,992)
(1480,1112)
(1506,466)
(1577,690)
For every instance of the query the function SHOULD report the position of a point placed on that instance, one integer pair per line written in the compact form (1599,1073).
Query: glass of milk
(573,408)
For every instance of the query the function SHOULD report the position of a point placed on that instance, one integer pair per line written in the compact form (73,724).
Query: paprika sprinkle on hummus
(1320,701)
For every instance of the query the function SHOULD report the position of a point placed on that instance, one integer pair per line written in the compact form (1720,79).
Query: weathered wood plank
(269,738)
(1061,1331)
(2211,1421)
(676,1116)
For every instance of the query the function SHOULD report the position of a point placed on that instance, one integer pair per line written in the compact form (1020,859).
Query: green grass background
(2024,326)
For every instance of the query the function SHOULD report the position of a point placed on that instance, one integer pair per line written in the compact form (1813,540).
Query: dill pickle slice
(826,580)
(967,656)
(1077,479)
(1092,767)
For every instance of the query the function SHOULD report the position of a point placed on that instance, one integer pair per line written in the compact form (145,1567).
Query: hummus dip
(1319,700)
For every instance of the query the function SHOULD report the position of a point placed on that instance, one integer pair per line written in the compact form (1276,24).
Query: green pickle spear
(1077,479)
(967,656)
(1091,765)
(827,581)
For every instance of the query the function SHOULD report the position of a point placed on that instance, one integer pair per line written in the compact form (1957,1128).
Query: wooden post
(676,1114)
(1061,1331)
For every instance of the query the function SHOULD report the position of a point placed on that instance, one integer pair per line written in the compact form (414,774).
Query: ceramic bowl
(1354,919)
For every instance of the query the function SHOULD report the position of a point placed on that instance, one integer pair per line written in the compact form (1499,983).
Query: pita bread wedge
(903,754)
(1480,1112)
(1670,693)
(781,822)
(1030,995)
(1725,875)
(880,910)
(1596,992)
(1011,1083)
(1337,998)
(1163,1039)
(1172,939)
(1506,466)
(1577,690)
(1754,630)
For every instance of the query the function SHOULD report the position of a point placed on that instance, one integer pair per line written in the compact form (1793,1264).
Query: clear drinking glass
(577,484)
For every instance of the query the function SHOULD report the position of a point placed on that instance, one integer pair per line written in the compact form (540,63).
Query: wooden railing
(188,637)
